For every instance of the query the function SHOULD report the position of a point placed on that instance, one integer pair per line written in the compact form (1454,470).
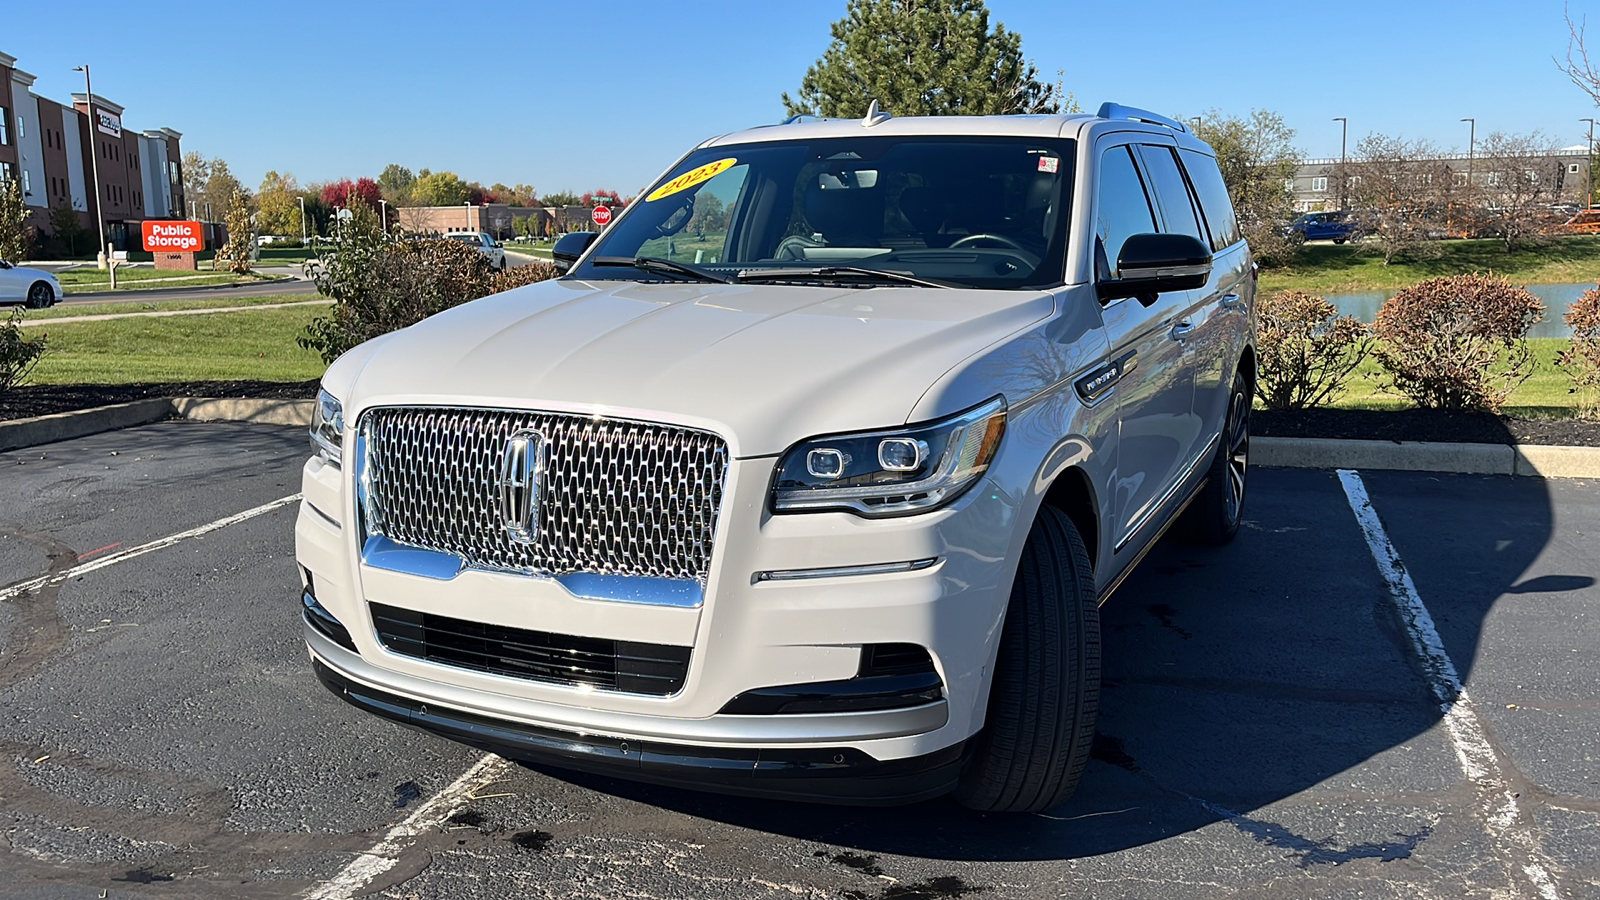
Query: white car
(808,477)
(35,288)
(486,245)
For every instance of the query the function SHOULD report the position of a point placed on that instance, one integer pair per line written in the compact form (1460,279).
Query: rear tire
(1046,691)
(1213,518)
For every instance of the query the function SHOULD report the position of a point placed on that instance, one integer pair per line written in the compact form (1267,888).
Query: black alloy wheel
(40,296)
(1214,515)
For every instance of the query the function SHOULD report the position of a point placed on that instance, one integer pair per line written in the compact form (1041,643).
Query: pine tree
(923,58)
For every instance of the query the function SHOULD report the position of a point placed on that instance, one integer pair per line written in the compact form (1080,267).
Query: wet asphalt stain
(1326,852)
(469,818)
(533,839)
(405,792)
(142,876)
(1108,749)
(866,865)
(944,887)
(1165,613)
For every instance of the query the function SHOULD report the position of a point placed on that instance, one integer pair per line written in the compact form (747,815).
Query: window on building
(5,126)
(7,172)
(1460,179)
(1531,176)
(27,183)
(172,172)
(1572,168)
(22,126)
(1320,183)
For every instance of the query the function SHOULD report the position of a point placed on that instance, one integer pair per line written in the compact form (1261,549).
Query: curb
(21,433)
(1534,460)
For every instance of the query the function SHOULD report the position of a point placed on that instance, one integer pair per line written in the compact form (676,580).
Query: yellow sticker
(691,178)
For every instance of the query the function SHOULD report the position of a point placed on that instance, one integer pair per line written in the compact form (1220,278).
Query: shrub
(18,354)
(1582,360)
(1307,350)
(515,277)
(1458,342)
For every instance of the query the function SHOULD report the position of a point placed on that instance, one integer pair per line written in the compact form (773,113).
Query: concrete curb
(65,426)
(1295,453)
(1427,456)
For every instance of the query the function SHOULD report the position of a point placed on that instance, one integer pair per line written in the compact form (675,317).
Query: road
(1269,726)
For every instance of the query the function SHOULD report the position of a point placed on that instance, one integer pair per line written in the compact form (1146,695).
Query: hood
(762,365)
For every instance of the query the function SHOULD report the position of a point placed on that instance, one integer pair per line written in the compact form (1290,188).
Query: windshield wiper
(825,272)
(657,264)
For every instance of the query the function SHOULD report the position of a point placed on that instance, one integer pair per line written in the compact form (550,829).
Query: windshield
(979,212)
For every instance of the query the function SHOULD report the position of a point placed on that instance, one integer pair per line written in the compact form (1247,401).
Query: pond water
(1364,306)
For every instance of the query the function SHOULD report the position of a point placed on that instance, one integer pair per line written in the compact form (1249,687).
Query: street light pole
(302,220)
(1344,180)
(1588,165)
(94,161)
(468,205)
(1472,142)
(385,205)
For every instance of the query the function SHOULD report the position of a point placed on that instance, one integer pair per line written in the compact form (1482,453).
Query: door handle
(1181,330)
(1230,301)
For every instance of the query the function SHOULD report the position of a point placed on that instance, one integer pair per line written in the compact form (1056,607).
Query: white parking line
(111,559)
(385,854)
(1503,817)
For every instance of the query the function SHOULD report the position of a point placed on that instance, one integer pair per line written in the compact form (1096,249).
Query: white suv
(808,478)
(488,246)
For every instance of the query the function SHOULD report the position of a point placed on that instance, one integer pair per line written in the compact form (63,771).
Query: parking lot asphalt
(1270,724)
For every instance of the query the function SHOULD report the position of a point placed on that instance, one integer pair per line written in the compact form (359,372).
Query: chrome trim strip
(1163,272)
(324,516)
(1145,515)
(915,565)
(802,730)
(381,553)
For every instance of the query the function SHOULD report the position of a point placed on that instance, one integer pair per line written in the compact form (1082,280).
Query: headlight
(891,473)
(327,427)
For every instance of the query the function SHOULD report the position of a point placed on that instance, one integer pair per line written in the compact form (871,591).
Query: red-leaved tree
(337,193)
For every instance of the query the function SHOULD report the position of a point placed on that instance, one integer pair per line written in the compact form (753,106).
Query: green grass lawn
(155,284)
(255,344)
(135,306)
(1547,394)
(1335,269)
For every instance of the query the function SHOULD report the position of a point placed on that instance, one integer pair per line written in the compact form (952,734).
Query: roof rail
(1135,114)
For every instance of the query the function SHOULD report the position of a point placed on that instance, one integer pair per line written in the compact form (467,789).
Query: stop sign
(601,215)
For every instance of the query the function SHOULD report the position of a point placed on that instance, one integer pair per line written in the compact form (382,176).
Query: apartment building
(56,151)
(1315,184)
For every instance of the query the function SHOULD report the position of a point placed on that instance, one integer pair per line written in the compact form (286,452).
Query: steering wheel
(1000,239)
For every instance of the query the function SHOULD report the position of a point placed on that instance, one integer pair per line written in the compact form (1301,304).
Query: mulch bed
(44,399)
(1358,424)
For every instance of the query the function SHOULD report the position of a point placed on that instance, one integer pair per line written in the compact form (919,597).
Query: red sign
(169,236)
(601,215)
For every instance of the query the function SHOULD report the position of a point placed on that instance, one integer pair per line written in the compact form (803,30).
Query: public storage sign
(165,235)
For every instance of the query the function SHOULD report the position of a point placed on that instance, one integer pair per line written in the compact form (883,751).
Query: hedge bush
(1457,343)
(1582,360)
(1307,350)
(18,353)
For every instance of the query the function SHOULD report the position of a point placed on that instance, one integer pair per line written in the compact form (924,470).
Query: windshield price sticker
(691,178)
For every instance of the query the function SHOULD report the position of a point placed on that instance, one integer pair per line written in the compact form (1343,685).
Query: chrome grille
(619,497)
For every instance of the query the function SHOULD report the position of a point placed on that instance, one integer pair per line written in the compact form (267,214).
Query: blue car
(1325,226)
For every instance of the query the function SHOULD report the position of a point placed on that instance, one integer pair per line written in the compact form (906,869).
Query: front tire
(40,296)
(1213,518)
(1046,691)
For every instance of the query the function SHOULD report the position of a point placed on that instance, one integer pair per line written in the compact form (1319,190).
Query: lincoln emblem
(521,483)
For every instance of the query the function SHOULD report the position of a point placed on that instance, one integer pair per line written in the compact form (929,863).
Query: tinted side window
(1171,192)
(1214,200)
(1122,210)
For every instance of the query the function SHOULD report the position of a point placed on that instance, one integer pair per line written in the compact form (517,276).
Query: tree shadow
(1234,678)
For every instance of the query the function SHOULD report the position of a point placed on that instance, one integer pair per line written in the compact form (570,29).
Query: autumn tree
(439,189)
(1398,189)
(1258,159)
(338,193)
(278,205)
(210,185)
(66,229)
(396,182)
(14,237)
(1520,176)
(241,236)
(922,58)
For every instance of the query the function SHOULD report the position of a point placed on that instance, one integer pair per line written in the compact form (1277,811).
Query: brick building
(54,149)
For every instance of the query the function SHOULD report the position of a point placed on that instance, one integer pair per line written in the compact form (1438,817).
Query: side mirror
(1152,264)
(570,247)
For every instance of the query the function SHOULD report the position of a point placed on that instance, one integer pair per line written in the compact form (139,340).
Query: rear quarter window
(1215,204)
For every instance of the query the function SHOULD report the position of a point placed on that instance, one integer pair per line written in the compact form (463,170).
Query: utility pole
(94,162)
(1472,142)
(1344,180)
(1588,165)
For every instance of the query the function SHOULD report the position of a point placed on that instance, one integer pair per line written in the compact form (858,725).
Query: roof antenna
(874,116)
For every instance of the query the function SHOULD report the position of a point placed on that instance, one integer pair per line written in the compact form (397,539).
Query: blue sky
(606,94)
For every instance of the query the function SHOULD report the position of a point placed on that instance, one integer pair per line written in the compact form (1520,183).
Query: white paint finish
(353,879)
(111,559)
(29,143)
(1503,816)
(70,119)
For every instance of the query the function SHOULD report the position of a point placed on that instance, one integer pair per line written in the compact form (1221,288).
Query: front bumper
(832,774)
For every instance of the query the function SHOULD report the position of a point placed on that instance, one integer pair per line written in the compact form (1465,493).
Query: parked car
(825,512)
(488,246)
(1326,226)
(35,288)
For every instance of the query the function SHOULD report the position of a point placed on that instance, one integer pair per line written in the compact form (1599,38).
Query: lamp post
(1344,180)
(94,161)
(1472,142)
(302,220)
(385,205)
(468,205)
(1588,198)
(1195,121)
